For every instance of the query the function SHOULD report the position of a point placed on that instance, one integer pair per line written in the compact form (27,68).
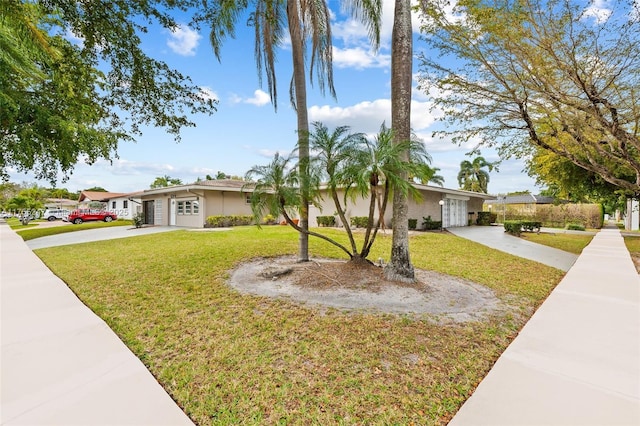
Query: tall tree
(56,108)
(399,267)
(306,21)
(561,76)
(473,177)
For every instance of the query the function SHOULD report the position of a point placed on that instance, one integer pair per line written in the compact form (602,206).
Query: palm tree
(346,162)
(276,189)
(306,20)
(472,177)
(400,267)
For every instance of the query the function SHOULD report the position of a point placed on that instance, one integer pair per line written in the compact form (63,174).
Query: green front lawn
(573,243)
(30,232)
(228,358)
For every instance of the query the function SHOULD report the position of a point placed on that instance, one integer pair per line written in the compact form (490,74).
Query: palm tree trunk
(300,89)
(400,267)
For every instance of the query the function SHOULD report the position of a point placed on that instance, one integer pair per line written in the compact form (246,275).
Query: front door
(172,213)
(149,210)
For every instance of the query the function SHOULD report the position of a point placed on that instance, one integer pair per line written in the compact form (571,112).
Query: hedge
(326,220)
(428,224)
(359,221)
(227,221)
(486,218)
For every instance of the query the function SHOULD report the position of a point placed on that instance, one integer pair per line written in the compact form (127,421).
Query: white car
(54,214)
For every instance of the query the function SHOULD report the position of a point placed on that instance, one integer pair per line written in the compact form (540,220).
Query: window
(248,199)
(188,207)
(113,205)
(125,204)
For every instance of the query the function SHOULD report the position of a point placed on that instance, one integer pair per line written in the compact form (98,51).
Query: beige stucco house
(190,205)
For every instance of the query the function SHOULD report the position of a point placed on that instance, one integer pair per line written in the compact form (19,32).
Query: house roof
(486,197)
(230,185)
(106,196)
(97,196)
(525,199)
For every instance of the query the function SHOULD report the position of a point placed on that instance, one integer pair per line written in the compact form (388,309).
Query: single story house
(60,203)
(454,207)
(125,205)
(189,205)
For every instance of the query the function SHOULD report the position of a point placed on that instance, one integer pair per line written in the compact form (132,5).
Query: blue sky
(246,131)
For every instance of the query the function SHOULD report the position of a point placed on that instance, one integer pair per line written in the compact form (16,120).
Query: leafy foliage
(57,108)
(557,76)
(473,177)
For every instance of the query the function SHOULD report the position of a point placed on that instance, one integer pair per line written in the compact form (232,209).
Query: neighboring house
(60,203)
(87,197)
(523,204)
(190,205)
(457,208)
(125,205)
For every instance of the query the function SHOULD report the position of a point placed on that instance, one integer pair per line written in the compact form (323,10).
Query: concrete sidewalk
(495,237)
(61,364)
(577,360)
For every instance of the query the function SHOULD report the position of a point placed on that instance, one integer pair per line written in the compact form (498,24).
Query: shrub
(413,223)
(429,224)
(575,227)
(531,226)
(326,220)
(513,227)
(269,220)
(486,218)
(138,220)
(359,221)
(227,221)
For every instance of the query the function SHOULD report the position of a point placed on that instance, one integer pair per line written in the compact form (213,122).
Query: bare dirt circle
(356,287)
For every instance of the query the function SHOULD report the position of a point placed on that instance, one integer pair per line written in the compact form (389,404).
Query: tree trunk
(300,99)
(400,267)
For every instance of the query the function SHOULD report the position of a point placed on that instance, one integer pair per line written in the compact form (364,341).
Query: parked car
(5,215)
(54,214)
(86,215)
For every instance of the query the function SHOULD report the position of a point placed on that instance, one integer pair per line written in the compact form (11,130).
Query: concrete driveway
(95,235)
(495,237)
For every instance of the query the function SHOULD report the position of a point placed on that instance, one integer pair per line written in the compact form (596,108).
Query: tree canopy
(165,181)
(473,177)
(557,75)
(64,102)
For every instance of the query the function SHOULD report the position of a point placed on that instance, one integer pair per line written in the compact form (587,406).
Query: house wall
(124,207)
(456,208)
(359,208)
(224,203)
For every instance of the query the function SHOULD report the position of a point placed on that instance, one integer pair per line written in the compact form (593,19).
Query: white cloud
(599,11)
(367,116)
(359,58)
(183,40)
(260,98)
